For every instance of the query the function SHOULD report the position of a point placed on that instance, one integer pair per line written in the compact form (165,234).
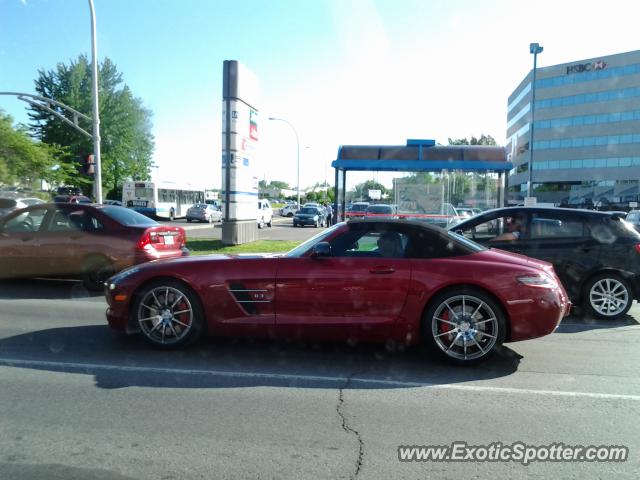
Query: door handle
(382,270)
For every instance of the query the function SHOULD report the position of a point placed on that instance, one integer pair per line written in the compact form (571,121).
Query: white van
(265,214)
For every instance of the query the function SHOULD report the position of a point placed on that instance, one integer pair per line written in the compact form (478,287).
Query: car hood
(497,255)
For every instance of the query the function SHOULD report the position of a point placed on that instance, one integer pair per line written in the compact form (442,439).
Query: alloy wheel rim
(165,315)
(608,297)
(464,327)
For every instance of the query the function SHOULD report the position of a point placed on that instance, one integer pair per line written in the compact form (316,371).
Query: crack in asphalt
(348,429)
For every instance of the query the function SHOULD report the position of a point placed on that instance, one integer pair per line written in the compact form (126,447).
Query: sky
(341,71)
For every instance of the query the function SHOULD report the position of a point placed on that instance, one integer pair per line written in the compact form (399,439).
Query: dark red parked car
(88,241)
(372,280)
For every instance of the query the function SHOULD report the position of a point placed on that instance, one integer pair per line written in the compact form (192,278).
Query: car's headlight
(537,280)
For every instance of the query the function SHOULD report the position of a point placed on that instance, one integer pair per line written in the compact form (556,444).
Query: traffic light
(88,165)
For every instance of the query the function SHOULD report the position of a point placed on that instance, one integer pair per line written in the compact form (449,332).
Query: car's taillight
(637,247)
(183,237)
(149,239)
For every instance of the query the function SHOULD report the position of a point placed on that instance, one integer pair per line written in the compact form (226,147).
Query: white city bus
(161,199)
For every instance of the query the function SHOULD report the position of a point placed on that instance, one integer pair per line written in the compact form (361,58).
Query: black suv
(595,254)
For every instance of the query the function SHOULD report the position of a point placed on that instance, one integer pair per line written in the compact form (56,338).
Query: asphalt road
(80,402)
(282,229)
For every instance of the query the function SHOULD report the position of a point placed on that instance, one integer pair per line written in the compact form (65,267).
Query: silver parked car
(203,212)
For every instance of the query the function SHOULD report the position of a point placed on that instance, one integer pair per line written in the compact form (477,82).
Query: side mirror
(322,249)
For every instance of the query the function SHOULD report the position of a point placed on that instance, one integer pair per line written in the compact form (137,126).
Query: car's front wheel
(96,270)
(168,314)
(608,296)
(463,325)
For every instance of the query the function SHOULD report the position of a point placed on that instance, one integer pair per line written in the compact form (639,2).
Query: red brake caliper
(444,327)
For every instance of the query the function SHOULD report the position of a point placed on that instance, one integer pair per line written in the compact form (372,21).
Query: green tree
(22,159)
(483,140)
(125,124)
(361,191)
(279,185)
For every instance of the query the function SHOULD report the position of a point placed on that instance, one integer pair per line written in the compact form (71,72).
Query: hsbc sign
(586,67)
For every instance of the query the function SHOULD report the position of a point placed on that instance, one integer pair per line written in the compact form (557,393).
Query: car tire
(315,225)
(270,224)
(172,215)
(188,220)
(463,325)
(602,290)
(154,313)
(261,224)
(289,214)
(95,271)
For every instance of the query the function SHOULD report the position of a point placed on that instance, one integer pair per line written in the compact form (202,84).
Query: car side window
(25,222)
(370,243)
(74,220)
(549,226)
(424,244)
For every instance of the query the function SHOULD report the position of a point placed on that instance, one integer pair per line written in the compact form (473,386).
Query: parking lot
(282,229)
(109,404)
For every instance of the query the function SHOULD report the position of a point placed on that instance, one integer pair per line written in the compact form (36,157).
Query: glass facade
(607,162)
(573,145)
(581,120)
(582,98)
(579,142)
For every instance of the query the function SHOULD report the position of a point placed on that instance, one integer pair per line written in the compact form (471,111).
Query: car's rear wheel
(608,296)
(96,271)
(188,220)
(464,325)
(172,215)
(169,314)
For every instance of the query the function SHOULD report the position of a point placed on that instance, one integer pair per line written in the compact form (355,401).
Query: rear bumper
(150,255)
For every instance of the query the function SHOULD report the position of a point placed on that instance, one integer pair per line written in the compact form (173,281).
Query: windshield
(305,246)
(359,208)
(308,210)
(379,209)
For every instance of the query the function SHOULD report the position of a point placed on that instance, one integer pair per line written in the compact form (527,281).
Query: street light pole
(297,151)
(96,115)
(535,49)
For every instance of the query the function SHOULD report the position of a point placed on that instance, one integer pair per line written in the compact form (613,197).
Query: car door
(354,286)
(563,239)
(19,243)
(65,241)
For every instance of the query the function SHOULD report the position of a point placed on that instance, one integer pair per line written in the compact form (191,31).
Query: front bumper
(306,221)
(535,312)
